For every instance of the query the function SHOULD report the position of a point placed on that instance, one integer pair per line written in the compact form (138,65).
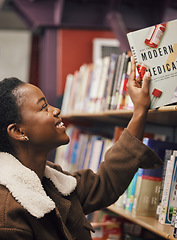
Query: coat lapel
(26,187)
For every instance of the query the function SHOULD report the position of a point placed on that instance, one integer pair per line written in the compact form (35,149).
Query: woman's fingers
(146,81)
(133,70)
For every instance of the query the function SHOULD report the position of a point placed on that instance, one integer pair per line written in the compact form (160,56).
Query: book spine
(173,199)
(164,215)
(137,190)
(100,99)
(165,194)
(66,95)
(95,157)
(111,79)
(95,85)
(132,46)
(168,153)
(116,82)
(173,216)
(132,193)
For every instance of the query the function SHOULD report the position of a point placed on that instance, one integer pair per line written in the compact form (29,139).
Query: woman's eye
(45,106)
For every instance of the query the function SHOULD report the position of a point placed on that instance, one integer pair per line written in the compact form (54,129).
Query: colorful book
(121,65)
(73,146)
(96,153)
(95,84)
(87,95)
(83,79)
(155,50)
(73,92)
(131,193)
(168,153)
(122,92)
(66,95)
(147,192)
(123,79)
(165,194)
(169,191)
(104,74)
(172,207)
(87,153)
(107,144)
(149,181)
(82,145)
(109,81)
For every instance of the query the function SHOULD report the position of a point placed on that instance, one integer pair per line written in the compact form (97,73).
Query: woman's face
(40,121)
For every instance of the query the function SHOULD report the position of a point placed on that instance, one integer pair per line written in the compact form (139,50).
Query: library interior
(77,52)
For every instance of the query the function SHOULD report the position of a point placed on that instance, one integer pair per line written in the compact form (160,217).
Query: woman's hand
(139,90)
(139,93)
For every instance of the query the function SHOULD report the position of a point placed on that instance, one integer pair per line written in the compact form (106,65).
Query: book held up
(155,50)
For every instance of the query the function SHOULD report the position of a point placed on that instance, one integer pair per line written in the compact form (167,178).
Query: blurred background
(42,41)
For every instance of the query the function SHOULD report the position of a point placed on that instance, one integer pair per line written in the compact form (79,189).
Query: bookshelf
(161,116)
(164,116)
(148,223)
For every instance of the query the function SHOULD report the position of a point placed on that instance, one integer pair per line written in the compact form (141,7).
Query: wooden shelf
(161,116)
(149,223)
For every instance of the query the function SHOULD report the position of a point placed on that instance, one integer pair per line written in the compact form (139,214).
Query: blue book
(159,147)
(96,153)
(132,192)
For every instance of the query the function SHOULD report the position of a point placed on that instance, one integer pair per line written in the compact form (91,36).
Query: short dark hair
(9,110)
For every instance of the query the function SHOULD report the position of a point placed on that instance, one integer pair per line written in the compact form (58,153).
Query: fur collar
(25,186)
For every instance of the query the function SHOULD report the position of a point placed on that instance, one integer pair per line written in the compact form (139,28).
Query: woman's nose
(56,112)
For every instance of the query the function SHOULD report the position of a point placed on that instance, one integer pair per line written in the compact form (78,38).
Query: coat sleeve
(122,160)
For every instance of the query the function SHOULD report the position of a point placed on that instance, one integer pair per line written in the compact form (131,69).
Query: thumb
(146,80)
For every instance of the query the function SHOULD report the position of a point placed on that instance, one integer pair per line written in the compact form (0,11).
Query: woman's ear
(15,132)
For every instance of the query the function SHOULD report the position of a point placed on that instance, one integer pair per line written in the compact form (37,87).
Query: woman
(38,200)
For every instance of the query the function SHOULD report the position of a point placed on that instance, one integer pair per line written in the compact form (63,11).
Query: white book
(67,93)
(73,92)
(95,84)
(103,78)
(95,157)
(81,87)
(83,139)
(107,144)
(155,50)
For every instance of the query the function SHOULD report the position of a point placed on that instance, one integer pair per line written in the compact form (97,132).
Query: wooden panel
(74,49)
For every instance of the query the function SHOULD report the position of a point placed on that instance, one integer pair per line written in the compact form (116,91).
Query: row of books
(153,192)
(85,150)
(98,87)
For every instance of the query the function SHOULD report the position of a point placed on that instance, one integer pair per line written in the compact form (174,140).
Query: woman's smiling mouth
(59,124)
